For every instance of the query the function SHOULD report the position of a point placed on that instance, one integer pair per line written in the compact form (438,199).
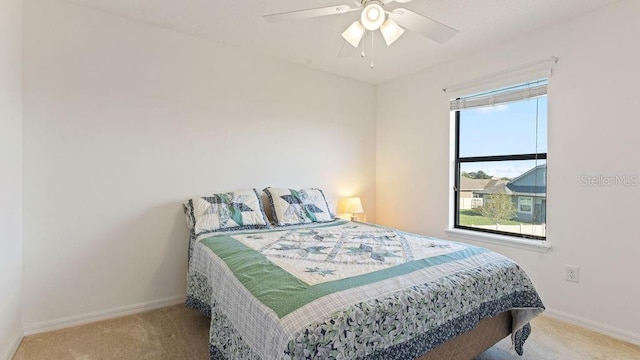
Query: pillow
(291,207)
(237,210)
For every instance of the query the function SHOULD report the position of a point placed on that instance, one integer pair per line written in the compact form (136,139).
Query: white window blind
(530,90)
(539,69)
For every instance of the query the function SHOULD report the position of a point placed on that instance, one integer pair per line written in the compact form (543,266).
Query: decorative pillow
(237,210)
(291,207)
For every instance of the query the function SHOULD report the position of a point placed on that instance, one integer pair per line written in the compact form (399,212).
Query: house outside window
(501,161)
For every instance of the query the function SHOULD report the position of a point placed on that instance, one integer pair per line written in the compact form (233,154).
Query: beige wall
(593,130)
(124,121)
(10,175)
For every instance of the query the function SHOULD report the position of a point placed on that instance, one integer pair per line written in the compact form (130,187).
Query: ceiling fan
(373,16)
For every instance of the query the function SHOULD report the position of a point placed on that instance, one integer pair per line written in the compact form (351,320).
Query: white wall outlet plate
(572,273)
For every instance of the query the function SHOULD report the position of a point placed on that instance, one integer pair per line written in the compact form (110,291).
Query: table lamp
(353,205)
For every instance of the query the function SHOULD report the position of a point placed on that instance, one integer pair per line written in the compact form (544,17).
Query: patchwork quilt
(348,290)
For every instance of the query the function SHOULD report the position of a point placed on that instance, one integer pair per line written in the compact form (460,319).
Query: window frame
(471,159)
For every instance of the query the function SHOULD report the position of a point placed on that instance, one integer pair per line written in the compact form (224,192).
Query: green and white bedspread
(348,290)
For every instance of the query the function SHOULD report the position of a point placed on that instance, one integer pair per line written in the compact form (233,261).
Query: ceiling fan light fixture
(372,16)
(354,34)
(391,31)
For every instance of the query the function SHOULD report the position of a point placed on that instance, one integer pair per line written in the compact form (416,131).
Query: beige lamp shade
(391,31)
(353,205)
(354,34)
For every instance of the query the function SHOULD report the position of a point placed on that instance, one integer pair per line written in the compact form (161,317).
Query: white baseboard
(614,332)
(36,328)
(14,347)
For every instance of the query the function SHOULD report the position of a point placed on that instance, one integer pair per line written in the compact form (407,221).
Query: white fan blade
(398,1)
(423,25)
(309,13)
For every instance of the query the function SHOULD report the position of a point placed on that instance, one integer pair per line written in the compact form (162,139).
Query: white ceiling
(316,42)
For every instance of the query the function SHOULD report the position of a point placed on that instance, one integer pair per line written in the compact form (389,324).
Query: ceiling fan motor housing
(373,14)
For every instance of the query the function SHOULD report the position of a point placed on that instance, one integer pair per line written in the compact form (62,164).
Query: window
(524,204)
(501,160)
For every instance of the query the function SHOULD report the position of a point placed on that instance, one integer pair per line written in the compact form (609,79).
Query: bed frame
(468,345)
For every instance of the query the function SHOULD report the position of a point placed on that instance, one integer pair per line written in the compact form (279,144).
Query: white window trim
(542,246)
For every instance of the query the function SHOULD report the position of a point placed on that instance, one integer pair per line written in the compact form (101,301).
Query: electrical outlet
(572,273)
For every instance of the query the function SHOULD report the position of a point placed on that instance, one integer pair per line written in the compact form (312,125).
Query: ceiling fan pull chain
(372,52)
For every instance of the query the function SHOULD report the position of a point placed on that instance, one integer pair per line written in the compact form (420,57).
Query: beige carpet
(173,332)
(178,333)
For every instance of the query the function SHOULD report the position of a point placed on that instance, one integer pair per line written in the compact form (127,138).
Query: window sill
(526,244)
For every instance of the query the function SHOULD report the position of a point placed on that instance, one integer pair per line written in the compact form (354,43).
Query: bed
(315,287)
